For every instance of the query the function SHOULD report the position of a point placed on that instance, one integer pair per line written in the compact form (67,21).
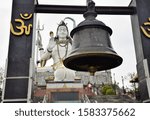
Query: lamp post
(135,82)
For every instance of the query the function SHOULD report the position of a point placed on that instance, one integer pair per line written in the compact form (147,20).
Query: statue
(58,48)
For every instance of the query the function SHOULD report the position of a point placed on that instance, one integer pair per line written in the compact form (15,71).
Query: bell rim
(98,54)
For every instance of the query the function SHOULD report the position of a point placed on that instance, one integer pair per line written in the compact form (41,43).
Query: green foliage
(105,88)
(108,90)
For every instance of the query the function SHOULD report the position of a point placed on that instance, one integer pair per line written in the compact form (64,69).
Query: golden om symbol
(146,31)
(22,28)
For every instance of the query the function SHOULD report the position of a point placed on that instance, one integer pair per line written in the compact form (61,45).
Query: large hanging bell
(91,49)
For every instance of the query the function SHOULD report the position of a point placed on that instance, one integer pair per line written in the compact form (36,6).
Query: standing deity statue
(58,48)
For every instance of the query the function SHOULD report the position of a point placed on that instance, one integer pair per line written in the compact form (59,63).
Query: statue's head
(62,30)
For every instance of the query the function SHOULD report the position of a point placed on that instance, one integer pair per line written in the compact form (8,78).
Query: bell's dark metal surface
(91,49)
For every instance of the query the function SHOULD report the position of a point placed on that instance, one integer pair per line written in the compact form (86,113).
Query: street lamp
(135,82)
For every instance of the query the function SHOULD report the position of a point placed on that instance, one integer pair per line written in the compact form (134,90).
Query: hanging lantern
(91,49)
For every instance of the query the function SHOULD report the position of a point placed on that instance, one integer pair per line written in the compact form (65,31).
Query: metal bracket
(68,9)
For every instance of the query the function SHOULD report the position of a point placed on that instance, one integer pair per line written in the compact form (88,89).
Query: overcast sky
(121,39)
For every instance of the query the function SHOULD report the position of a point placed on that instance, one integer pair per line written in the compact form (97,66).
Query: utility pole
(123,84)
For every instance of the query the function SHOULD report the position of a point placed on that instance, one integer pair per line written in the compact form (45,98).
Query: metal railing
(85,99)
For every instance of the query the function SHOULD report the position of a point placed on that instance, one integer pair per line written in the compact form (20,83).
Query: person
(58,48)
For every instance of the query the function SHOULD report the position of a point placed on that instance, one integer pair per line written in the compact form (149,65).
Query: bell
(91,48)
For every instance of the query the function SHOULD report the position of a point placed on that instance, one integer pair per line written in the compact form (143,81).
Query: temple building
(48,90)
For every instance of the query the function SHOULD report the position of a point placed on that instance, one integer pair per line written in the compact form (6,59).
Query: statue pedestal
(64,91)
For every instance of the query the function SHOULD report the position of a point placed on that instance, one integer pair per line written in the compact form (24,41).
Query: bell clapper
(92,70)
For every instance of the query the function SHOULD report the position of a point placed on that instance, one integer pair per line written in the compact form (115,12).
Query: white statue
(58,48)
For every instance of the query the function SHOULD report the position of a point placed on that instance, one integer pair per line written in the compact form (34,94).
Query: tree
(108,90)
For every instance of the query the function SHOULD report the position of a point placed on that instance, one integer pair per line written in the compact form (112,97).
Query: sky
(121,39)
